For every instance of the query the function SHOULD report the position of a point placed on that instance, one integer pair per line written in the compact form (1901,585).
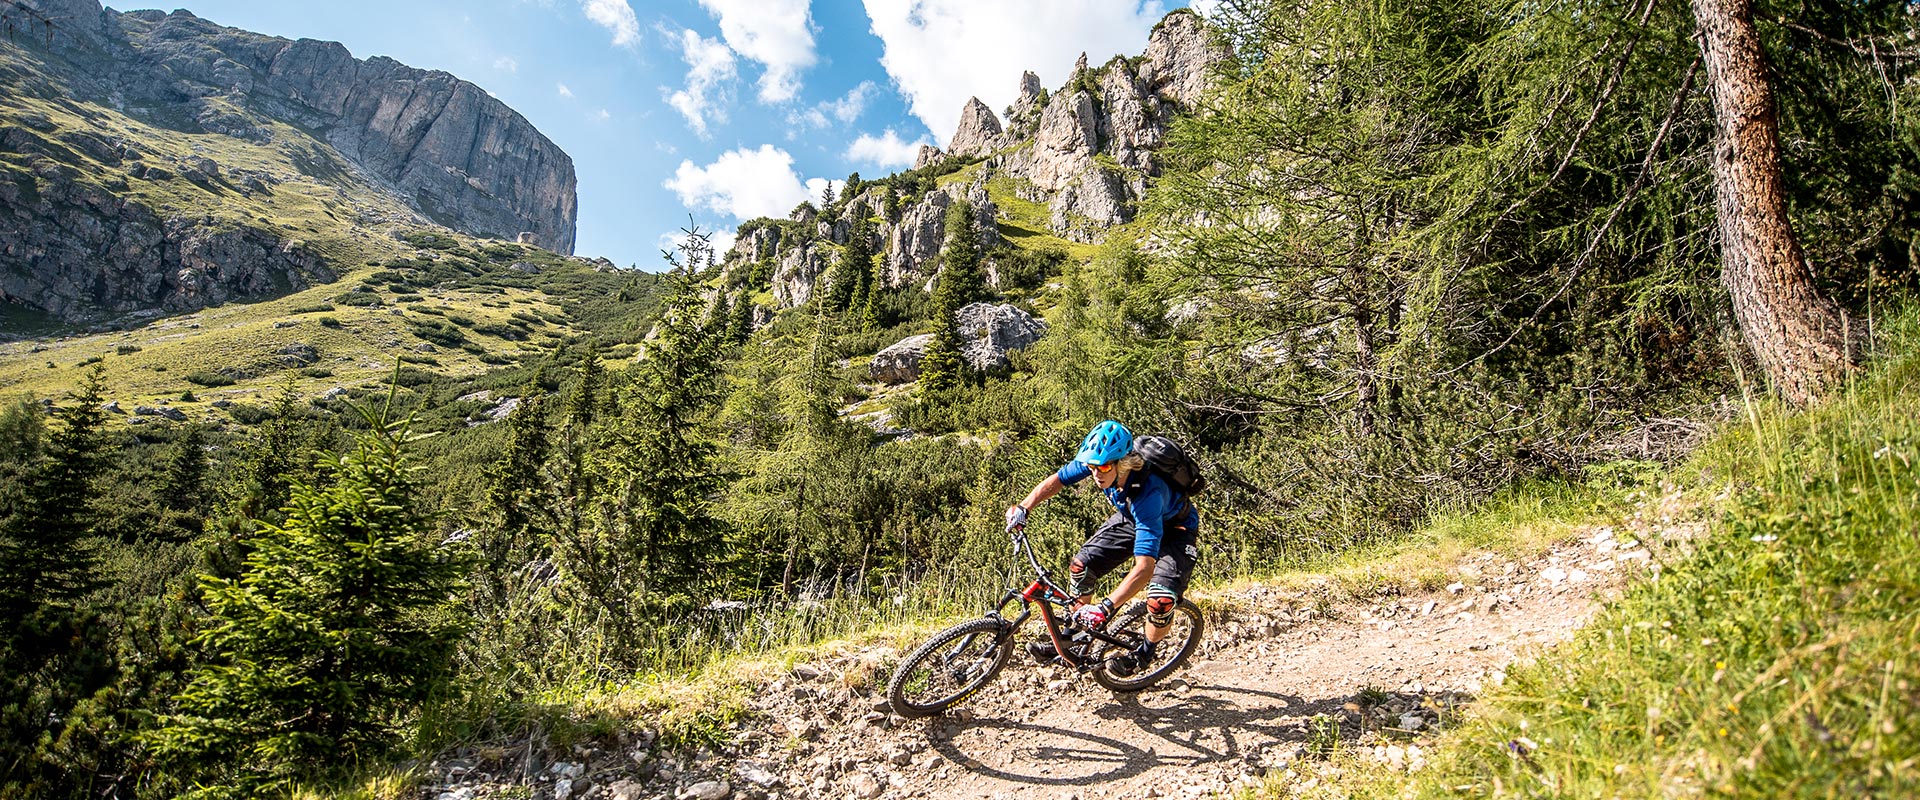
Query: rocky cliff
(129,142)
(1085,152)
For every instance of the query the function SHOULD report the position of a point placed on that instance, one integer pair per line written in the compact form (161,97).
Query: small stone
(1455,588)
(1554,574)
(563,789)
(1412,722)
(759,777)
(806,672)
(864,786)
(707,790)
(1059,686)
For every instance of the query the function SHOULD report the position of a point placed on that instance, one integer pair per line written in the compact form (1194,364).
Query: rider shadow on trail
(1208,713)
(1112,758)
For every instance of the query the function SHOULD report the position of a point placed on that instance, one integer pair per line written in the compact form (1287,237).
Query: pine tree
(960,283)
(44,548)
(334,634)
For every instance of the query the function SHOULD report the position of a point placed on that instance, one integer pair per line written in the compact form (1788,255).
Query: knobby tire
(967,656)
(1131,624)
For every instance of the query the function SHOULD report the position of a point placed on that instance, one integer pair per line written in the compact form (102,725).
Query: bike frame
(1044,594)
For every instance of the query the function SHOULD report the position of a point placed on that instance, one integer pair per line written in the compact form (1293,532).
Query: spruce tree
(334,634)
(960,283)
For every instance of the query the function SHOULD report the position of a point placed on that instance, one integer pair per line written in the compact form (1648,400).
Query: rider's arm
(1043,490)
(1136,579)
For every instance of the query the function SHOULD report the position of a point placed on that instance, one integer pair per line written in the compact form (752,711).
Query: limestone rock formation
(76,243)
(923,230)
(1180,53)
(1064,145)
(900,361)
(794,278)
(458,155)
(979,131)
(989,332)
(927,156)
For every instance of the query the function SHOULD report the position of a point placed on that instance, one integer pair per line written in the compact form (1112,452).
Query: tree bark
(1799,336)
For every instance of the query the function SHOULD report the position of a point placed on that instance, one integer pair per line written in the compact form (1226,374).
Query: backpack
(1171,463)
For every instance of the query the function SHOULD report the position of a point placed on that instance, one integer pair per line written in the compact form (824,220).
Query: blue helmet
(1109,441)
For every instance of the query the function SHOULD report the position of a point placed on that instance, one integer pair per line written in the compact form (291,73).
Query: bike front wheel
(1130,626)
(950,667)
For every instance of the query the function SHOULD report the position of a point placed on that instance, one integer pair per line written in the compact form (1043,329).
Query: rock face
(76,243)
(75,250)
(458,155)
(979,131)
(1086,152)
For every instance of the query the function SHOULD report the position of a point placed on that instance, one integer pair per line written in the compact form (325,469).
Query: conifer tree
(333,635)
(960,283)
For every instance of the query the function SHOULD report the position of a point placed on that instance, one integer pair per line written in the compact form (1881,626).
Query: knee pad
(1160,603)
(1078,570)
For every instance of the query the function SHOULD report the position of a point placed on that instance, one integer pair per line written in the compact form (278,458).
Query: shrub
(312,309)
(127,349)
(209,379)
(329,322)
(248,415)
(317,372)
(411,358)
(358,298)
(187,397)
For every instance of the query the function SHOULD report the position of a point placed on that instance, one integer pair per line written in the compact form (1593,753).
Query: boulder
(989,332)
(707,790)
(900,362)
(979,131)
(298,354)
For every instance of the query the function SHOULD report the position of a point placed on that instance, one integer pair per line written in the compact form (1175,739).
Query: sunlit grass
(1777,660)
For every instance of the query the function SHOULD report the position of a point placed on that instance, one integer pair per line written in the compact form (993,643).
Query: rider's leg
(1170,576)
(1109,547)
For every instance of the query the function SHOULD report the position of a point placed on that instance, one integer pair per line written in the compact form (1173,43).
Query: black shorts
(1112,545)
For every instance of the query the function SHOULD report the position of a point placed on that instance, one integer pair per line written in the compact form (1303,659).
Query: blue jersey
(1146,500)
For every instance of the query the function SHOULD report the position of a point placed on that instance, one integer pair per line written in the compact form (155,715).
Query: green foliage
(1769,658)
(335,632)
(209,379)
(961,281)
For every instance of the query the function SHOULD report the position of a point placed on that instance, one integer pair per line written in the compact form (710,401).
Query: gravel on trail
(1280,673)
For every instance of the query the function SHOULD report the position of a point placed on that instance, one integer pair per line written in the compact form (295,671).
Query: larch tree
(1799,335)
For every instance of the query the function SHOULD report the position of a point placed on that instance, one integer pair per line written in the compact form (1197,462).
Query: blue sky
(722,109)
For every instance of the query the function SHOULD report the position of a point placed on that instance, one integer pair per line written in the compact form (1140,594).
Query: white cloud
(602,115)
(886,150)
(563,90)
(709,68)
(617,17)
(746,184)
(845,109)
(778,34)
(506,63)
(940,52)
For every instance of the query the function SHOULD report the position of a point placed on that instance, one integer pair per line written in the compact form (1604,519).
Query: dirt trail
(1275,666)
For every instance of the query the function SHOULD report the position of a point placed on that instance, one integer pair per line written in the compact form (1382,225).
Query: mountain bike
(958,661)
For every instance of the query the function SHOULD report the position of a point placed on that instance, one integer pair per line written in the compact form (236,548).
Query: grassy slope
(1778,659)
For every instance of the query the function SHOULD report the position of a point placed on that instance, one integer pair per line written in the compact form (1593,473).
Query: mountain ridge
(130,140)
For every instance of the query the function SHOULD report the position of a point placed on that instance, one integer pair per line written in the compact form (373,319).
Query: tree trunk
(1798,335)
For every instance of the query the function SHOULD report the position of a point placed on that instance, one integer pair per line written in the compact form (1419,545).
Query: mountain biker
(1152,522)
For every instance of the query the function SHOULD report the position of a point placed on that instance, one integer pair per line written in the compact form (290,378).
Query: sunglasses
(1101,468)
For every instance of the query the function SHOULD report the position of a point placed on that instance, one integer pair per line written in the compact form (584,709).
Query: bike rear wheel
(1130,626)
(949,668)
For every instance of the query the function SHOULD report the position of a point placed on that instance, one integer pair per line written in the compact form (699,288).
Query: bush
(209,379)
(407,298)
(359,298)
(329,322)
(411,358)
(127,349)
(317,372)
(312,309)
(249,415)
